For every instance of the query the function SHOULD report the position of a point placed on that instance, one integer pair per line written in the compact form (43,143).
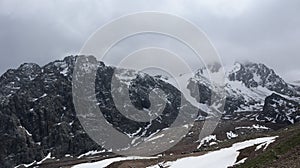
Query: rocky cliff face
(247,87)
(278,109)
(38,116)
(253,83)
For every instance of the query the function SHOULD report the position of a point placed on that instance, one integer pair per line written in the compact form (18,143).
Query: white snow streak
(107,162)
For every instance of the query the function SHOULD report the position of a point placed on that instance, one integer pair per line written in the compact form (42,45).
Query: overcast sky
(265,31)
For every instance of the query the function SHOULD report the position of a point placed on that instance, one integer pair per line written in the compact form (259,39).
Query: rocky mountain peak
(29,67)
(37,113)
(256,74)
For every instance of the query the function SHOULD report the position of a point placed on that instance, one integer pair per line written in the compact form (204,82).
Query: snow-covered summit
(256,74)
(246,84)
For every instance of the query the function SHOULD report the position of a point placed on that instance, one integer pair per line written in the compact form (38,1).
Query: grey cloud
(262,31)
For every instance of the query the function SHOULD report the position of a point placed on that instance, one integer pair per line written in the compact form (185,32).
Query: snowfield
(218,159)
(107,162)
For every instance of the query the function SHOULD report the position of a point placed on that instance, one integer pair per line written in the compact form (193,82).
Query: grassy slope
(278,153)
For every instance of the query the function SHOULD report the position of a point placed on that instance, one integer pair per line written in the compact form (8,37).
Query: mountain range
(38,117)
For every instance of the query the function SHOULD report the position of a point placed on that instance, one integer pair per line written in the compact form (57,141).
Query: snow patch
(217,159)
(107,162)
(231,135)
(156,137)
(47,157)
(207,140)
(27,132)
(241,161)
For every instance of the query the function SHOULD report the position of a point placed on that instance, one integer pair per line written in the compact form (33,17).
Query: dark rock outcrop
(37,114)
(278,109)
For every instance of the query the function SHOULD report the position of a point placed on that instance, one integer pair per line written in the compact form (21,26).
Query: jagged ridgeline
(37,114)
